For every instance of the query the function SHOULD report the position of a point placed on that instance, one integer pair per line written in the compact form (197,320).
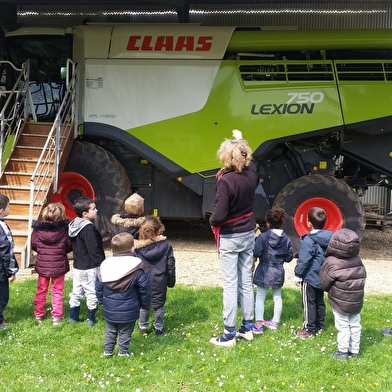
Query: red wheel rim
(72,185)
(334,215)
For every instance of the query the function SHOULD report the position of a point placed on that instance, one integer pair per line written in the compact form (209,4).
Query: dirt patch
(198,264)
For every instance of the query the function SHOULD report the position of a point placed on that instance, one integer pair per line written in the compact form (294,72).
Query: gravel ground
(197,262)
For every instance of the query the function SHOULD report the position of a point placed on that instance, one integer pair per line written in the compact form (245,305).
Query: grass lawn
(68,357)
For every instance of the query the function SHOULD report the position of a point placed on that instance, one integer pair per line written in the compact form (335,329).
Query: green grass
(68,357)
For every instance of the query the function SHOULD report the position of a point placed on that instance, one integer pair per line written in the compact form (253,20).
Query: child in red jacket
(51,242)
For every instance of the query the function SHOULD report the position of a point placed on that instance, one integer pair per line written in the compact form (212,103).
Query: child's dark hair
(317,217)
(122,242)
(82,204)
(4,201)
(275,217)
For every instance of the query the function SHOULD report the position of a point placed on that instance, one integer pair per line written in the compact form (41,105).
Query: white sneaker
(223,342)
(248,335)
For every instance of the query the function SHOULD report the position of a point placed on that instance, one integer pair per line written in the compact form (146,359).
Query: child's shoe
(107,355)
(40,319)
(387,331)
(56,321)
(304,334)
(160,332)
(257,330)
(3,325)
(353,355)
(270,324)
(340,355)
(143,331)
(245,332)
(227,339)
(123,354)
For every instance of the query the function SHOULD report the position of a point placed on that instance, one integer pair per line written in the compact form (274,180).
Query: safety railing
(16,106)
(46,171)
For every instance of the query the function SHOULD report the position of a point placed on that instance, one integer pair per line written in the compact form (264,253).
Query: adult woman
(233,224)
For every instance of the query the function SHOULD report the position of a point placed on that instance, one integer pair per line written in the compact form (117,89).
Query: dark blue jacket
(272,250)
(311,256)
(123,287)
(159,259)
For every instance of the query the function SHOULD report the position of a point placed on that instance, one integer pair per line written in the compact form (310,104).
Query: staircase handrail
(47,166)
(16,109)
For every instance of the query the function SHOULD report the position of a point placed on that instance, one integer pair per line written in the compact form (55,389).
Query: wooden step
(16,179)
(19,208)
(32,140)
(21,165)
(26,152)
(38,128)
(21,194)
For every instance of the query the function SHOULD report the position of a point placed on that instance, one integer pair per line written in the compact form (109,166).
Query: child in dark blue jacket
(157,255)
(311,256)
(123,288)
(273,248)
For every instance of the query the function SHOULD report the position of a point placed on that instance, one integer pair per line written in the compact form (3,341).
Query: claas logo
(169,43)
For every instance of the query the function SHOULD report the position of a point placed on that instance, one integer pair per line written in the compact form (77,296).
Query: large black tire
(105,175)
(342,205)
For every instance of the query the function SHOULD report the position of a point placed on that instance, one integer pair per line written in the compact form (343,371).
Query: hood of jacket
(117,266)
(343,244)
(77,225)
(321,237)
(152,253)
(127,220)
(277,240)
(50,233)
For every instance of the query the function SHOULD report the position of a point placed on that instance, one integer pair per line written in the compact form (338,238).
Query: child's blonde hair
(134,205)
(54,212)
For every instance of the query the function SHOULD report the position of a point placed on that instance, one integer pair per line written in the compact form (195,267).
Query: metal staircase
(33,155)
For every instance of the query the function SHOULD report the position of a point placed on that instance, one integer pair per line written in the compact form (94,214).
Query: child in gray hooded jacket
(88,253)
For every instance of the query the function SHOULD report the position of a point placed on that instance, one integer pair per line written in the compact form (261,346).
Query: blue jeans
(236,259)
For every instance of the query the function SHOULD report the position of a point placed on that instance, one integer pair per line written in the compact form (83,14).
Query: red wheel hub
(72,185)
(334,215)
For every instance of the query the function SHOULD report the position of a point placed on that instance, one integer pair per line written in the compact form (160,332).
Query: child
(8,264)
(343,276)
(51,242)
(157,254)
(273,249)
(310,258)
(88,255)
(123,288)
(131,220)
